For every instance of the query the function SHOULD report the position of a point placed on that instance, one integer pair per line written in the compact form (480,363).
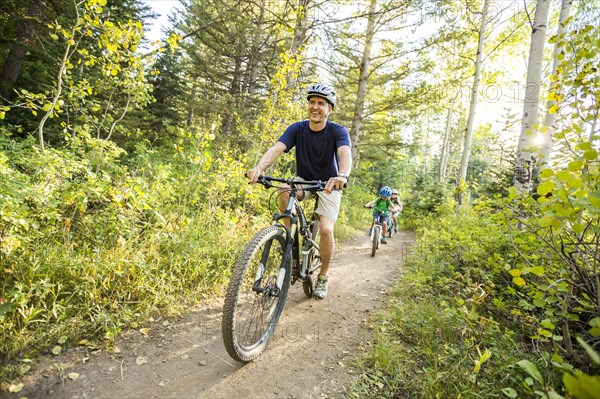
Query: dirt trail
(185,358)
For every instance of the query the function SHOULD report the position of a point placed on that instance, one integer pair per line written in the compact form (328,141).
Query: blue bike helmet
(385,191)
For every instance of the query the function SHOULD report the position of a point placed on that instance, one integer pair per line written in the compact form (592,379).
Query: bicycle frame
(295,214)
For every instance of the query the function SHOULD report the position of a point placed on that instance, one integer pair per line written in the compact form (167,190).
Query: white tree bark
(464,163)
(550,119)
(363,80)
(445,143)
(526,159)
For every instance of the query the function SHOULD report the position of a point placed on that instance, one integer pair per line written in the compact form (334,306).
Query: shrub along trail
(308,356)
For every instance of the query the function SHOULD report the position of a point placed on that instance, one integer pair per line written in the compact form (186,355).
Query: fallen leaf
(15,388)
(141,360)
(73,376)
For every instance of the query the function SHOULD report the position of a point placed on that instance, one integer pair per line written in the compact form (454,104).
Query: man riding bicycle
(382,206)
(322,153)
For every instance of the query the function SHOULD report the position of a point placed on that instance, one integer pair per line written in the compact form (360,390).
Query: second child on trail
(382,206)
(397,208)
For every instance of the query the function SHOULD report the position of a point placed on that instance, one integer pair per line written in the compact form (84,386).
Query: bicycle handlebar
(293,182)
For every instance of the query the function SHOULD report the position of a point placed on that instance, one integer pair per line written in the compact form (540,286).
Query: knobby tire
(376,238)
(250,317)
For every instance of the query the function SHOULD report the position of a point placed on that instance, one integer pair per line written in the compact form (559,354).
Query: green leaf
(546,221)
(546,173)
(531,369)
(54,36)
(591,154)
(519,281)
(515,272)
(539,302)
(576,165)
(511,393)
(512,192)
(591,352)
(537,270)
(486,355)
(546,187)
(548,324)
(563,175)
(582,385)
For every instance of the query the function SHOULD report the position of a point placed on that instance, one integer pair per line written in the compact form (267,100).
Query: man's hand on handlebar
(335,183)
(253,175)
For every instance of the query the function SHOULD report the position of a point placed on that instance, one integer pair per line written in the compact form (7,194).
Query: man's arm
(344,154)
(266,161)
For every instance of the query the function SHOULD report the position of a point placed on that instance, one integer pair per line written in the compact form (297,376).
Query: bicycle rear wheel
(314,262)
(253,303)
(376,238)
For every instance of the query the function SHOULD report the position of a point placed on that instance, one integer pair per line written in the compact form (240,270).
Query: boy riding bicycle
(382,206)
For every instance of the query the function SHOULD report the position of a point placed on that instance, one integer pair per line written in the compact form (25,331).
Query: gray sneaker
(321,287)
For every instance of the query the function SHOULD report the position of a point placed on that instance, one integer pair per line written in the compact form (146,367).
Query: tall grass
(442,334)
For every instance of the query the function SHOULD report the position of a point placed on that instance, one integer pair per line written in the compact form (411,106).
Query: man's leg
(327,242)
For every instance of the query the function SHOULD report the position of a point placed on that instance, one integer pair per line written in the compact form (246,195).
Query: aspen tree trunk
(550,118)
(446,140)
(363,80)
(526,152)
(464,163)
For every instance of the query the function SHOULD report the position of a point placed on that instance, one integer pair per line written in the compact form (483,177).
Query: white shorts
(329,204)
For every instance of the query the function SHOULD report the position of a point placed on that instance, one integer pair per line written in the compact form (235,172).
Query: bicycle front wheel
(376,238)
(254,303)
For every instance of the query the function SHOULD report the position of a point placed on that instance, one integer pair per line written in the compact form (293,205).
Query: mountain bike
(392,228)
(376,233)
(275,258)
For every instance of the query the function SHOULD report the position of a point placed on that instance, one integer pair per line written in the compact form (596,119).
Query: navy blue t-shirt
(316,156)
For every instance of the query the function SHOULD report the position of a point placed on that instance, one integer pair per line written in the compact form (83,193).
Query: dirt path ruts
(306,358)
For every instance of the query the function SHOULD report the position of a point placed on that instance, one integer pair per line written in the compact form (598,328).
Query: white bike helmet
(323,91)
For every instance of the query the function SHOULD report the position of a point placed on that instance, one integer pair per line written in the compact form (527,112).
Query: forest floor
(309,355)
